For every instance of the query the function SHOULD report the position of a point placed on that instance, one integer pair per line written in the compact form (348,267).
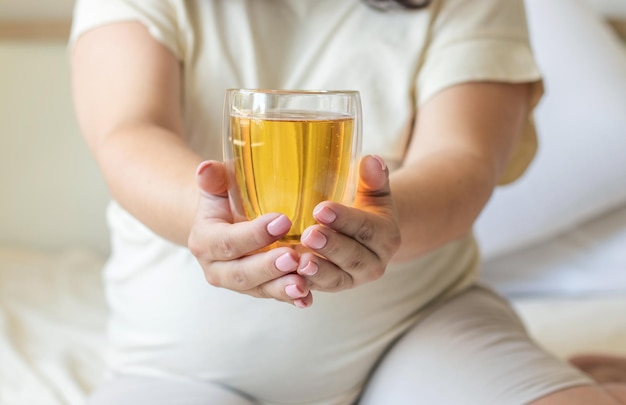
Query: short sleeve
(161,18)
(482,41)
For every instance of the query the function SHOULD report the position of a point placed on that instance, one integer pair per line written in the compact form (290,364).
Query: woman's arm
(127,95)
(463,140)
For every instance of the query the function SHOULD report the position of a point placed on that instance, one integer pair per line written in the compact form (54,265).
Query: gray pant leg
(471,350)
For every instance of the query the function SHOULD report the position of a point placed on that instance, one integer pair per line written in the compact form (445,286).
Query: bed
(554,242)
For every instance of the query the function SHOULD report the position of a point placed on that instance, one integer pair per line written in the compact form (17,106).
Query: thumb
(373,189)
(213,184)
(211,178)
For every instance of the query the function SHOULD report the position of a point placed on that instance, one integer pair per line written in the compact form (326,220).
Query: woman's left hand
(352,246)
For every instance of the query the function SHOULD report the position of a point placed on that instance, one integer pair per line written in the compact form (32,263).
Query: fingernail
(294,291)
(310,269)
(202,167)
(279,226)
(286,263)
(324,214)
(314,239)
(383,164)
(300,304)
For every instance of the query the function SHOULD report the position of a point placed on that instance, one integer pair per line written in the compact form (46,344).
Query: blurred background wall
(51,194)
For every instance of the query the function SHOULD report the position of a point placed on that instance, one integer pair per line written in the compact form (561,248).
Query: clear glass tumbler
(287,151)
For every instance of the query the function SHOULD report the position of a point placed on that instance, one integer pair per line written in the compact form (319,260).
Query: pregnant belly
(167,321)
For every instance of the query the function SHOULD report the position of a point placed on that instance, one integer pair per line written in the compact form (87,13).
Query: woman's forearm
(438,200)
(461,146)
(128,102)
(150,173)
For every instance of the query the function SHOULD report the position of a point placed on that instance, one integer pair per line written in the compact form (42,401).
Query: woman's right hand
(229,252)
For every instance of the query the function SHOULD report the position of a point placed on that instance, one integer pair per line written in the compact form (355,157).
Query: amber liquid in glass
(289,164)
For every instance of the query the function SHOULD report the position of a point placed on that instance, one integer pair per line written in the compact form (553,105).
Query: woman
(393,313)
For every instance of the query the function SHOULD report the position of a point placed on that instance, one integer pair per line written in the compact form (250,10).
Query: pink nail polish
(325,215)
(300,304)
(294,291)
(314,239)
(383,164)
(310,269)
(202,167)
(279,226)
(286,263)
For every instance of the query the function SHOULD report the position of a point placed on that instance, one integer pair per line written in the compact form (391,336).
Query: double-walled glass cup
(287,151)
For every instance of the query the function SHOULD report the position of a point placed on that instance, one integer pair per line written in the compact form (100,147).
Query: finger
(374,189)
(211,178)
(226,241)
(304,302)
(377,231)
(290,288)
(323,275)
(251,271)
(213,204)
(264,277)
(352,257)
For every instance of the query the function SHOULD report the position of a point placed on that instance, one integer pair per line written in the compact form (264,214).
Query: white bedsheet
(590,259)
(52,320)
(570,325)
(52,323)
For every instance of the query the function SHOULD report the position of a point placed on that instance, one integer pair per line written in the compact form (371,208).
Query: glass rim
(292,92)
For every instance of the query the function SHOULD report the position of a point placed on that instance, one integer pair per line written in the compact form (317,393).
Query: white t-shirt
(166,320)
